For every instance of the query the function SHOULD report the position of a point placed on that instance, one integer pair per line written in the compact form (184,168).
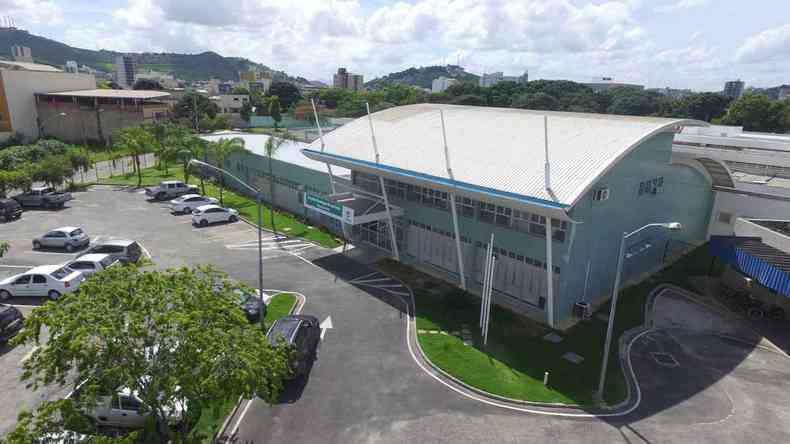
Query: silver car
(68,238)
(92,263)
(124,250)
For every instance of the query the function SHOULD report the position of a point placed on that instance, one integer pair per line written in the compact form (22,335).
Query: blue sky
(694,44)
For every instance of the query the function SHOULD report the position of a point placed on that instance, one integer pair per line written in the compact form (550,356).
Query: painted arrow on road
(326,324)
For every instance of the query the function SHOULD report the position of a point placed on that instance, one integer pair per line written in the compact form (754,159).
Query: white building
(491,79)
(440,84)
(22,54)
(230,103)
(125,73)
(72,67)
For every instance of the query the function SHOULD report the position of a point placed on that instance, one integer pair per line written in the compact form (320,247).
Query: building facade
(346,80)
(21,54)
(440,84)
(230,103)
(733,89)
(125,71)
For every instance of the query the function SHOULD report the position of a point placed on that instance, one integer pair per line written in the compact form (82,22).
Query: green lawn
(101,154)
(247,207)
(516,357)
(212,417)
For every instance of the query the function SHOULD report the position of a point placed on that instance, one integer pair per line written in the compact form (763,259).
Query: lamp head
(673,226)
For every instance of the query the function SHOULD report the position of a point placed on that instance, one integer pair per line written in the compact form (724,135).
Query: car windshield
(76,232)
(61,273)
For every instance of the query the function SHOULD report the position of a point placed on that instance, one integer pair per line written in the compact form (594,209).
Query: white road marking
(370,281)
(326,324)
(365,276)
(16,266)
(49,252)
(28,355)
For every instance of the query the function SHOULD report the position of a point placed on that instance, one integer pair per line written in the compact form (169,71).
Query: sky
(697,44)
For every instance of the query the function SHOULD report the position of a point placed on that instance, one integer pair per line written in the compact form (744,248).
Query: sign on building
(326,207)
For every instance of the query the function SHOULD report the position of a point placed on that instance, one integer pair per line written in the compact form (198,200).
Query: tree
(171,337)
(53,170)
(537,101)
(221,150)
(287,92)
(79,160)
(240,90)
(246,111)
(4,247)
(274,110)
(148,84)
(194,106)
(191,148)
(469,99)
(136,141)
(20,179)
(273,144)
(756,112)
(702,106)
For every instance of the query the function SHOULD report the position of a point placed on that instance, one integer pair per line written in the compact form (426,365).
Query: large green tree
(194,107)
(274,110)
(171,337)
(220,151)
(273,145)
(136,141)
(286,91)
(148,84)
(756,112)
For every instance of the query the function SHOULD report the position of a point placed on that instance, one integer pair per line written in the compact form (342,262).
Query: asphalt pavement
(366,387)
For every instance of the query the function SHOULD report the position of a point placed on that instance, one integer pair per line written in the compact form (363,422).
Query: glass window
(22,280)
(486,212)
(465,206)
(503,216)
(537,225)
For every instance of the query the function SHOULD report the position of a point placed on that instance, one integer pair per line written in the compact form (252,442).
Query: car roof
(66,229)
(121,242)
(187,196)
(284,327)
(171,181)
(92,257)
(206,207)
(43,269)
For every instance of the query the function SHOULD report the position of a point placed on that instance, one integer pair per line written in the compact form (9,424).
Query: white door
(39,285)
(21,286)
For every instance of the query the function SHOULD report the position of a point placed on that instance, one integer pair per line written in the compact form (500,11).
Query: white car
(211,214)
(186,203)
(92,263)
(46,280)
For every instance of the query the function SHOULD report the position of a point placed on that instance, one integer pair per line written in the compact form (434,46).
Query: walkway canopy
(749,255)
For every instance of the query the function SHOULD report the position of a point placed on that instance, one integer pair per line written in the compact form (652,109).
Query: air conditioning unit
(582,310)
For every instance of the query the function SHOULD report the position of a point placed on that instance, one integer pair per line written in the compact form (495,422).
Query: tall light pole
(41,125)
(260,218)
(672,226)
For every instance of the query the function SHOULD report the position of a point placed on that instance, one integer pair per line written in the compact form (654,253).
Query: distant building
(606,83)
(22,54)
(230,103)
(225,88)
(784,93)
(440,84)
(346,80)
(72,67)
(312,86)
(491,79)
(167,81)
(255,76)
(19,82)
(733,89)
(125,71)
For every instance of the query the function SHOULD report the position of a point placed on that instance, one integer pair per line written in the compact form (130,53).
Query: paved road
(365,386)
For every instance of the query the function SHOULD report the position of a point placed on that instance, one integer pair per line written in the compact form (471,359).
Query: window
(23,280)
(466,206)
(486,212)
(130,404)
(503,216)
(55,234)
(521,221)
(537,225)
(725,218)
(559,230)
(601,194)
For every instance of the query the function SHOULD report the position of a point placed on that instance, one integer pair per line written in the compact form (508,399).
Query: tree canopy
(148,84)
(193,103)
(172,337)
(286,91)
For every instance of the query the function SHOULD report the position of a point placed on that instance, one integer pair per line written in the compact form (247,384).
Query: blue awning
(749,255)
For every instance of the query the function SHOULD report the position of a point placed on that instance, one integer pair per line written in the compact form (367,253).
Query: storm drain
(665,359)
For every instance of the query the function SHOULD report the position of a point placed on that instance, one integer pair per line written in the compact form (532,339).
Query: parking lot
(365,386)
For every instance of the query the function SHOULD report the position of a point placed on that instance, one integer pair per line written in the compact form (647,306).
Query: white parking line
(16,266)
(28,355)
(48,252)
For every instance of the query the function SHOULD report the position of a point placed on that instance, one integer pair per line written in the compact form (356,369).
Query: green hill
(201,66)
(423,76)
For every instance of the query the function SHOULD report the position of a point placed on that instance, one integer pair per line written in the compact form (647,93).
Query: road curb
(220,437)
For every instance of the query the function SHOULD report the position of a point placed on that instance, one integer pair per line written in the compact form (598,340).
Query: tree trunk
(139,171)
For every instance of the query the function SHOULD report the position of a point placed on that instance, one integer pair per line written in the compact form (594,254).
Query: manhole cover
(665,359)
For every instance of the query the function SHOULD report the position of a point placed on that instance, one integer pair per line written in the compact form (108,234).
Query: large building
(491,79)
(22,54)
(19,82)
(125,71)
(96,115)
(440,84)
(733,89)
(556,222)
(346,80)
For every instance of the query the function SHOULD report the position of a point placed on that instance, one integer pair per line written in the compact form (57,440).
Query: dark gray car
(124,250)
(303,333)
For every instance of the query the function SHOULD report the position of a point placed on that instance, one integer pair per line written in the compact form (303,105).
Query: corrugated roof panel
(499,148)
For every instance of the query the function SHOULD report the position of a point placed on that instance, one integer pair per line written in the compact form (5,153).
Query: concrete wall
(20,87)
(736,205)
(747,228)
(686,198)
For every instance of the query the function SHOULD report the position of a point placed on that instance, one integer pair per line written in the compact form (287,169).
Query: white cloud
(31,11)
(767,45)
(682,5)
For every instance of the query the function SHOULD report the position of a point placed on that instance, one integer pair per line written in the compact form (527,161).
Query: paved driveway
(365,386)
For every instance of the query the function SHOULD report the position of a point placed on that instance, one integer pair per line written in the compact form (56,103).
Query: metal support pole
(453,211)
(383,189)
(321,137)
(549,275)
(488,306)
(610,326)
(487,278)
(260,252)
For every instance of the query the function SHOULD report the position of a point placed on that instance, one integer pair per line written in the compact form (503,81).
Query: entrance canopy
(749,255)
(350,208)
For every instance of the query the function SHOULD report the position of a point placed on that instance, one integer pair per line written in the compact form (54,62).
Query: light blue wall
(686,198)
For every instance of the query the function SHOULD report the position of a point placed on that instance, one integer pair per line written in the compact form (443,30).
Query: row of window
(497,250)
(500,215)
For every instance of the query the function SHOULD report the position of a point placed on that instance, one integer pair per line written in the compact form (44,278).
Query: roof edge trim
(350,163)
(588,184)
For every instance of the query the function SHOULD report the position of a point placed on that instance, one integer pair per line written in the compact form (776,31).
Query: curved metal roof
(499,149)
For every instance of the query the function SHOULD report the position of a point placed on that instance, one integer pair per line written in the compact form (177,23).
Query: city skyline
(697,44)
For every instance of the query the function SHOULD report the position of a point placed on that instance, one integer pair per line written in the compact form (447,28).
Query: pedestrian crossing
(243,237)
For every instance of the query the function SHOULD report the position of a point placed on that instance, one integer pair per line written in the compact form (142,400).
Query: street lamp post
(673,226)
(260,220)
(41,125)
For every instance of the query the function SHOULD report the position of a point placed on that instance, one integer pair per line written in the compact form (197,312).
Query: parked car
(43,197)
(45,280)
(169,189)
(187,202)
(10,209)
(122,409)
(210,214)
(89,264)
(68,238)
(303,333)
(11,321)
(124,250)
(249,302)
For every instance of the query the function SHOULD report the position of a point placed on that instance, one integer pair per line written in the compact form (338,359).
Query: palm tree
(136,141)
(221,150)
(190,148)
(273,144)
